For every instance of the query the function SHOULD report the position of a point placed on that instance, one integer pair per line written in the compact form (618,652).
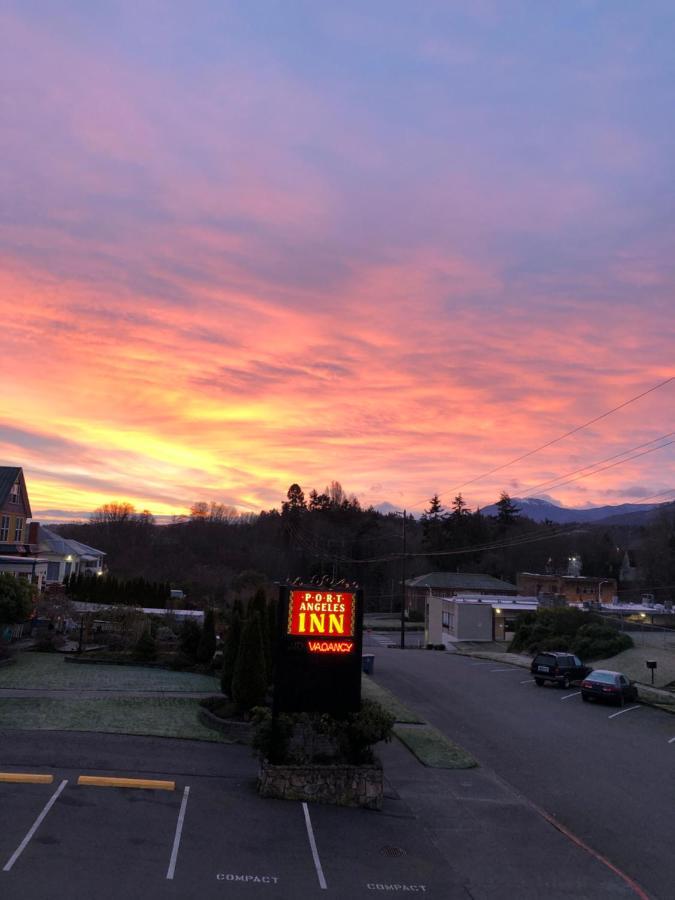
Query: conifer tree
(207,642)
(249,683)
(230,651)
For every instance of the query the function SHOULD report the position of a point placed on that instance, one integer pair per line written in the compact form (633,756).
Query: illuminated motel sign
(318,649)
(323,614)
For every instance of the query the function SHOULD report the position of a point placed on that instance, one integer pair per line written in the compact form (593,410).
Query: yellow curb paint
(147,783)
(26,778)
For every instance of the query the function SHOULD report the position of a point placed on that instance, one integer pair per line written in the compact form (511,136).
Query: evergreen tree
(190,637)
(207,643)
(230,651)
(258,604)
(249,683)
(507,511)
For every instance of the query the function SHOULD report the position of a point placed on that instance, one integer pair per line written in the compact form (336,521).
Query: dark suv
(563,668)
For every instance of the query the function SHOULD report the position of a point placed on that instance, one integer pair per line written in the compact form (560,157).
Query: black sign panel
(318,650)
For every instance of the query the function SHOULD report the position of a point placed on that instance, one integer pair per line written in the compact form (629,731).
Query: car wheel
(565,683)
(585,698)
(539,682)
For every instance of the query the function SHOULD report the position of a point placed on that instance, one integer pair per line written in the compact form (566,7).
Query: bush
(219,706)
(249,682)
(303,738)
(145,649)
(190,636)
(230,651)
(598,641)
(207,642)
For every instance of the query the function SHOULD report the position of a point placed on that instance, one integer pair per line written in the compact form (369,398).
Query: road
(609,778)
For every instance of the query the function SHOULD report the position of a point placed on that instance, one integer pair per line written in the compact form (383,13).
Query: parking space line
(567,696)
(510,669)
(622,711)
(179,831)
(26,778)
(671,741)
(36,824)
(527,681)
(144,783)
(315,852)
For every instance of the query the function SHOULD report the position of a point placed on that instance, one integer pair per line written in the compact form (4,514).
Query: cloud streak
(240,250)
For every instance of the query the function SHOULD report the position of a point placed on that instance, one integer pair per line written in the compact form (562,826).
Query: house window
(4,528)
(14,493)
(53,571)
(18,531)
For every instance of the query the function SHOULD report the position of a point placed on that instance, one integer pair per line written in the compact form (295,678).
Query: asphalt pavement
(603,774)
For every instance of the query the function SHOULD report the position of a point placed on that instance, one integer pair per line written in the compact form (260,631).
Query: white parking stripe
(179,831)
(622,711)
(36,824)
(510,669)
(527,681)
(671,741)
(315,852)
(567,696)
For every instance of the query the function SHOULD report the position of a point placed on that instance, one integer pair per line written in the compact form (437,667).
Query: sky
(389,243)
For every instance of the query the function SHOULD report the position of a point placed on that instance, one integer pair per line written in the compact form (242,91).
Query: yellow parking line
(26,778)
(148,783)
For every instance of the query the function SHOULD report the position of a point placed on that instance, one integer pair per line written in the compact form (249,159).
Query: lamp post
(600,590)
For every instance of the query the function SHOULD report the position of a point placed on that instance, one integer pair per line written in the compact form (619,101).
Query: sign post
(318,650)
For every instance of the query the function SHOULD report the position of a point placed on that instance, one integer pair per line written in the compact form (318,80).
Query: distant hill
(540,510)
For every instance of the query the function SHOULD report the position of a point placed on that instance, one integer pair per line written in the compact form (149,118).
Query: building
(18,546)
(469,618)
(449,584)
(66,557)
(574,588)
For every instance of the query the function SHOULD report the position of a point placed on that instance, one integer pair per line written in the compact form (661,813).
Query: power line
(556,440)
(604,468)
(552,482)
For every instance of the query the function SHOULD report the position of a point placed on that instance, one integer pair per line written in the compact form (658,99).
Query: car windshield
(604,677)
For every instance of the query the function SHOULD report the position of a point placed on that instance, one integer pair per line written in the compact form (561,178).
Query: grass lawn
(51,672)
(372,691)
(156,716)
(432,748)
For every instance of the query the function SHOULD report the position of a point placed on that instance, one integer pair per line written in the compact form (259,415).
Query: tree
(16,599)
(432,524)
(230,652)
(459,507)
(249,682)
(113,513)
(295,502)
(507,511)
(207,643)
(190,638)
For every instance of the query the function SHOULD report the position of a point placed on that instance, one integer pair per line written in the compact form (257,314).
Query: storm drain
(393,851)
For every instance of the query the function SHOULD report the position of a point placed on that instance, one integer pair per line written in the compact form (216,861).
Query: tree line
(216,555)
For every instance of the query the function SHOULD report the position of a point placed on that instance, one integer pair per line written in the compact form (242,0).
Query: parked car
(562,668)
(602,684)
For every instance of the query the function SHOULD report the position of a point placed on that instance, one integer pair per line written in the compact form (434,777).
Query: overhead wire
(550,443)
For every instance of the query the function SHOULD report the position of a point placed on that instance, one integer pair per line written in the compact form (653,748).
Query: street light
(600,589)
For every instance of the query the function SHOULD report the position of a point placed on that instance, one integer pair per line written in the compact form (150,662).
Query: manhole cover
(393,851)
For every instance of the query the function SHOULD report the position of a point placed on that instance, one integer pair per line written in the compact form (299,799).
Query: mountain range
(540,510)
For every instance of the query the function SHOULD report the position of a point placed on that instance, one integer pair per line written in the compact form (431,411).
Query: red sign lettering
(321,614)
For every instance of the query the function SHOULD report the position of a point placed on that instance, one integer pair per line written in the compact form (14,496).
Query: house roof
(52,542)
(462,581)
(8,475)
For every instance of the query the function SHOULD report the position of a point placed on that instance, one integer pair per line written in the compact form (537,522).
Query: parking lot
(210,837)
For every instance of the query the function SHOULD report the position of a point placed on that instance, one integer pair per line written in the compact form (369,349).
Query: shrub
(207,642)
(600,641)
(249,682)
(145,649)
(305,738)
(190,636)
(230,651)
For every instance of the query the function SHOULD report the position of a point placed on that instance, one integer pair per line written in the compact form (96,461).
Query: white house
(67,557)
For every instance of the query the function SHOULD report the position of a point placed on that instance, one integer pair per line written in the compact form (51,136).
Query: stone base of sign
(340,785)
(235,730)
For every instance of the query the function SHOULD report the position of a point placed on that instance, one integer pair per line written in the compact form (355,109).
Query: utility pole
(403,588)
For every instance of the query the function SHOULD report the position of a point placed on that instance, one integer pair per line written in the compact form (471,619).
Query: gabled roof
(8,475)
(52,542)
(462,581)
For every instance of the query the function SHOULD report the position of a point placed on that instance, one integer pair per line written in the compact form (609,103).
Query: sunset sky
(394,244)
